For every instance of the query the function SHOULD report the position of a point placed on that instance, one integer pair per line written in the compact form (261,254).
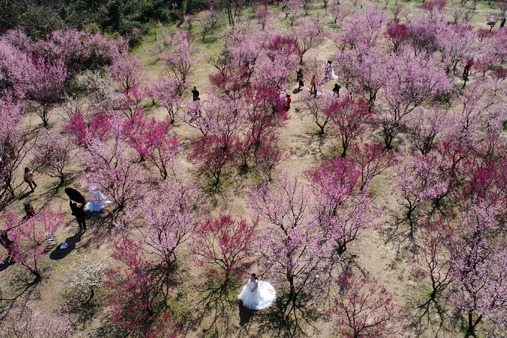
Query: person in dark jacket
(80,215)
(8,245)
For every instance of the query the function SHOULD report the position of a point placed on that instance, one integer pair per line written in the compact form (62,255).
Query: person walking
(9,245)
(28,178)
(299,75)
(336,89)
(195,94)
(313,86)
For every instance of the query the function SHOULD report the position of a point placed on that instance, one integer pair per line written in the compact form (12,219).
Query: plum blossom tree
(265,115)
(397,34)
(365,29)
(412,82)
(30,238)
(130,77)
(150,138)
(47,86)
(426,127)
(318,107)
(137,296)
(363,71)
(364,308)
(14,147)
(84,128)
(479,267)
(114,169)
(224,247)
(308,37)
(16,69)
(178,54)
(52,155)
(290,246)
(432,264)
(222,124)
(371,161)
(292,9)
(168,91)
(25,321)
(170,215)
(349,119)
(339,213)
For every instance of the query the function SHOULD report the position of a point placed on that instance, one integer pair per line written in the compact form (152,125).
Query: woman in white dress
(329,72)
(257,295)
(97,201)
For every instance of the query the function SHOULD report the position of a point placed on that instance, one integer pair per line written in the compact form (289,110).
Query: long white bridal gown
(97,201)
(262,297)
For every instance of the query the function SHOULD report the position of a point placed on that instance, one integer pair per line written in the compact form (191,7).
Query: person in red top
(287,102)
(28,178)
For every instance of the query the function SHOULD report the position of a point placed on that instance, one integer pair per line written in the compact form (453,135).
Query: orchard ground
(304,149)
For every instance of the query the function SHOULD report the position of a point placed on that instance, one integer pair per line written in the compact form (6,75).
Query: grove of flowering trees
(375,211)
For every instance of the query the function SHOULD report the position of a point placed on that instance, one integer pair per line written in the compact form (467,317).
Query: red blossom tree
(150,138)
(137,296)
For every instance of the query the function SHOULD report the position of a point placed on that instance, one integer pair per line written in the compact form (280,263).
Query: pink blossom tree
(371,160)
(426,127)
(52,155)
(224,247)
(115,170)
(48,82)
(433,267)
(412,82)
(130,77)
(14,147)
(308,36)
(365,29)
(479,267)
(30,239)
(318,107)
(26,321)
(339,213)
(290,245)
(349,119)
(168,91)
(364,308)
(178,54)
(169,216)
(363,71)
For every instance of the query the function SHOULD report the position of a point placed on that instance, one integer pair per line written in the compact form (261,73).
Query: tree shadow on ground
(100,227)
(5,264)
